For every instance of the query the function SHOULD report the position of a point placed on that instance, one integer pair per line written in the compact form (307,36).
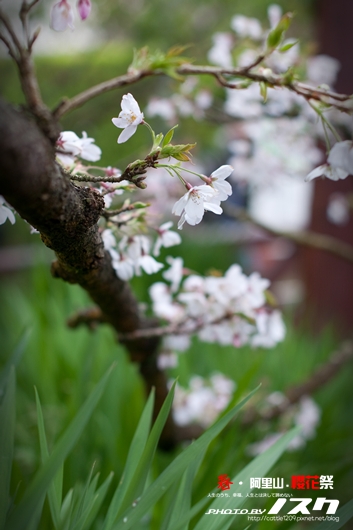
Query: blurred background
(314,288)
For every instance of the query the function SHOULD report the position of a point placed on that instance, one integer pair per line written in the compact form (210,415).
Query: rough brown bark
(66,217)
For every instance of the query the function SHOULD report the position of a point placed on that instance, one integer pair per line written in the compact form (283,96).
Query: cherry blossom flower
(123,265)
(218,177)
(5,212)
(194,203)
(62,16)
(163,304)
(246,27)
(203,401)
(84,8)
(129,118)
(166,238)
(73,146)
(148,264)
(175,274)
(221,51)
(326,170)
(271,329)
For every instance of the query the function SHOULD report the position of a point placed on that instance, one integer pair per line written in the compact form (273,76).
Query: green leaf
(157,140)
(175,470)
(275,36)
(136,449)
(55,488)
(169,136)
(182,157)
(7,430)
(287,46)
(257,468)
(18,519)
(345,513)
(263,91)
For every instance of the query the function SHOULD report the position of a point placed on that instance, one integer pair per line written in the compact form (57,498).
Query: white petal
(317,172)
(127,133)
(92,153)
(129,104)
(213,208)
(222,172)
(6,213)
(340,155)
(120,122)
(180,204)
(336,173)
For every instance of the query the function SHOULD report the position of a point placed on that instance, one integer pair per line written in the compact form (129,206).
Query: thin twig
(319,378)
(305,237)
(67,105)
(8,45)
(10,30)
(113,213)
(90,178)
(24,11)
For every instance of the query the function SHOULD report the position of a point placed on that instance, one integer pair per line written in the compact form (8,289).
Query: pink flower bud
(84,8)
(62,16)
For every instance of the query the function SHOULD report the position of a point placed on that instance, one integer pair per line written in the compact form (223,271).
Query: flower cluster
(70,146)
(132,255)
(244,27)
(229,309)
(62,14)
(203,401)
(306,414)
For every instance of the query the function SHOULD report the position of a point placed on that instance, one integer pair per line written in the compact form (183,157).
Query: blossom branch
(67,105)
(305,238)
(319,378)
(271,79)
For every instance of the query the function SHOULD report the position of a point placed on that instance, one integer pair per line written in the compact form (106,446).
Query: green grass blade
(55,488)
(18,519)
(97,502)
(14,359)
(138,481)
(175,470)
(66,510)
(257,468)
(136,449)
(84,496)
(345,513)
(187,516)
(183,497)
(7,430)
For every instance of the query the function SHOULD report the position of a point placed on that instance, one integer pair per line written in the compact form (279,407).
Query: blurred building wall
(329,280)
